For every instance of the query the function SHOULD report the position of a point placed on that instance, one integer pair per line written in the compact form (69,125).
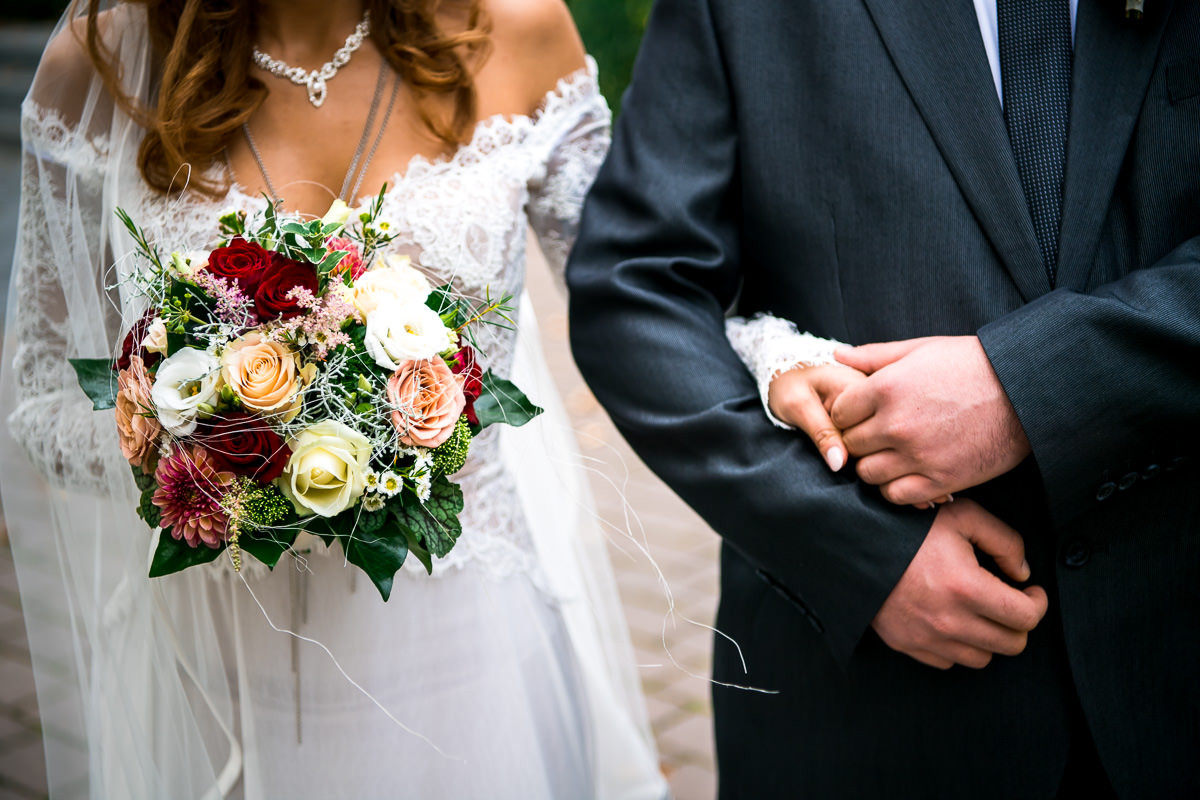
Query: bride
(505,674)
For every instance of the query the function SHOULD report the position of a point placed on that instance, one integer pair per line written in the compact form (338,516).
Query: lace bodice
(462,219)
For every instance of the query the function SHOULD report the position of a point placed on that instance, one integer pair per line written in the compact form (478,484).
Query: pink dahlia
(189,494)
(352,262)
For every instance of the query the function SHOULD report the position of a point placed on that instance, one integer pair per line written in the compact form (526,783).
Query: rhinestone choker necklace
(315,81)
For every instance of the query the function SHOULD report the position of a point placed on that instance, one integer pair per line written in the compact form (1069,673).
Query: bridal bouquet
(298,377)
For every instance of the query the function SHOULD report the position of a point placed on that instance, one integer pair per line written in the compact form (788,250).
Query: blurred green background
(611,29)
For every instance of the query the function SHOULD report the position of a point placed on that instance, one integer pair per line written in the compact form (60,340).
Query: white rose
(391,279)
(399,332)
(184,382)
(155,339)
(337,214)
(327,471)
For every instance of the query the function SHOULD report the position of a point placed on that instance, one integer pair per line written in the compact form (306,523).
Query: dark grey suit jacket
(845,165)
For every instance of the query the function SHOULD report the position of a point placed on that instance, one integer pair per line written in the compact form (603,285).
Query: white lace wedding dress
(506,674)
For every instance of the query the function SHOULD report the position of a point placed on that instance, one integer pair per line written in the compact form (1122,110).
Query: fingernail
(949,498)
(835,458)
(1025,571)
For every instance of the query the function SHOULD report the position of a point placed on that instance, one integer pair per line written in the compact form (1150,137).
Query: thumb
(873,357)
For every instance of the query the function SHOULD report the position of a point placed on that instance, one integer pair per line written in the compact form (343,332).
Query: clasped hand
(926,418)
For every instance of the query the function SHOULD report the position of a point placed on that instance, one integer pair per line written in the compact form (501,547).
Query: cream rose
(186,265)
(137,428)
(327,471)
(155,340)
(427,399)
(406,332)
(263,374)
(391,279)
(185,381)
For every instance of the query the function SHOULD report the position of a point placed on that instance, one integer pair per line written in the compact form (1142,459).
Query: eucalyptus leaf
(173,555)
(502,401)
(97,380)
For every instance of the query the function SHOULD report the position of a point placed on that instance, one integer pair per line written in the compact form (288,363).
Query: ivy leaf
(268,546)
(502,401)
(97,380)
(379,554)
(174,555)
(144,480)
(435,522)
(423,555)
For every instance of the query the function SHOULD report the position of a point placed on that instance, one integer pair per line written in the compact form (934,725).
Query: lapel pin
(1134,9)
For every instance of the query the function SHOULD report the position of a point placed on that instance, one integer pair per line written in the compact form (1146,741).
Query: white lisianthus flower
(185,381)
(373,502)
(155,340)
(337,214)
(399,332)
(391,279)
(326,473)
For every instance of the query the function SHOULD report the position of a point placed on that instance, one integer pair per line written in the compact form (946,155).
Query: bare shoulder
(66,69)
(534,43)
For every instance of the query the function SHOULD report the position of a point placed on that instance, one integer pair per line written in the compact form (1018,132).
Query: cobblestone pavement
(683,547)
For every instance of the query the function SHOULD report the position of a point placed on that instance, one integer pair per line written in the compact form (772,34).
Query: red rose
(132,346)
(464,363)
(241,261)
(271,297)
(245,445)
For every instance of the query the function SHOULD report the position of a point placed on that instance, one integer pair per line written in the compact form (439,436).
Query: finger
(989,534)
(984,634)
(882,467)
(930,659)
(855,405)
(1013,608)
(872,357)
(805,411)
(913,490)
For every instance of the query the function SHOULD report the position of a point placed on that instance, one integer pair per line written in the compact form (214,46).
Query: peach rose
(137,427)
(427,399)
(263,374)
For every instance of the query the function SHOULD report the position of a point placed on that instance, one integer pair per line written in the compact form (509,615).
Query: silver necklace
(347,191)
(315,81)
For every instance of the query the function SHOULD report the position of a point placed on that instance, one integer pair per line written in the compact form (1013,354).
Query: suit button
(1151,472)
(1176,463)
(1127,481)
(1076,555)
(1105,491)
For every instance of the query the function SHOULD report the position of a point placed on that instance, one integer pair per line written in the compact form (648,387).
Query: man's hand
(947,609)
(930,420)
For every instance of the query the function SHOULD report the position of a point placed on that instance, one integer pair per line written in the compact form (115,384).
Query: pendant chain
(348,191)
(316,80)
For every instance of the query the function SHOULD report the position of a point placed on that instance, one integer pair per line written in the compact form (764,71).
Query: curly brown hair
(206,93)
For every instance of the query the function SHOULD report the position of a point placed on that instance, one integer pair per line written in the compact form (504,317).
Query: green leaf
(268,546)
(173,555)
(296,229)
(144,480)
(97,380)
(502,401)
(423,555)
(379,554)
(435,522)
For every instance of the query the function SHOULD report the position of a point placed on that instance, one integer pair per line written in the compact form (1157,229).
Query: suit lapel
(1113,63)
(937,49)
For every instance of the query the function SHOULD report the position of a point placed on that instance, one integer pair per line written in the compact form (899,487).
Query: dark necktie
(1035,71)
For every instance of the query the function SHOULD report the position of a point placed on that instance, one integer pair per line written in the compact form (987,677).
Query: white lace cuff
(770,346)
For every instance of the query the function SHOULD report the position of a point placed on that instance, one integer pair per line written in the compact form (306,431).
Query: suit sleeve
(656,265)
(1106,384)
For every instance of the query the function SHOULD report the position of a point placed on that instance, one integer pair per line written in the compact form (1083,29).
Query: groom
(850,166)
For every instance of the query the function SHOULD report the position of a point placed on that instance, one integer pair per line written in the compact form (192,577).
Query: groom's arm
(656,264)
(1103,388)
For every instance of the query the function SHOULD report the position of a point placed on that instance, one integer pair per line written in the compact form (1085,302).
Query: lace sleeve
(59,223)
(573,137)
(770,346)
